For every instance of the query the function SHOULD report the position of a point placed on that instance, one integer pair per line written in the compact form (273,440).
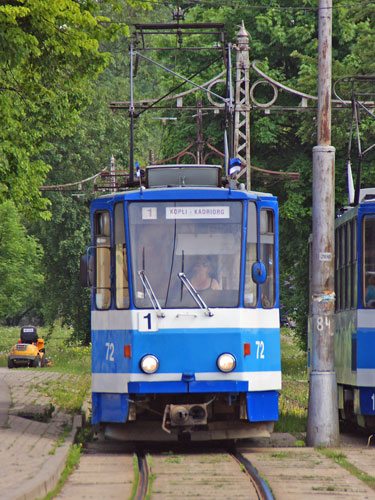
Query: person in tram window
(370,291)
(202,275)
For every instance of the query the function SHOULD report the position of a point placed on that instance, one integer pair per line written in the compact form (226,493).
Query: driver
(202,278)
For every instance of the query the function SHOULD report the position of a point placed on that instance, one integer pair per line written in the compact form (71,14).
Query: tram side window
(346,266)
(368,260)
(353,264)
(267,251)
(337,271)
(310,275)
(250,298)
(344,260)
(103,260)
(122,280)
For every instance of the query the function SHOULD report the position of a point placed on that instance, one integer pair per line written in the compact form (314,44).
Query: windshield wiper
(198,299)
(151,295)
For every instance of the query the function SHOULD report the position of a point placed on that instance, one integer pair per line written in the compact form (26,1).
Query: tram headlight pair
(149,363)
(226,362)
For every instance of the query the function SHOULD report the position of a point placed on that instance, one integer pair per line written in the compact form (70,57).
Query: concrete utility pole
(322,422)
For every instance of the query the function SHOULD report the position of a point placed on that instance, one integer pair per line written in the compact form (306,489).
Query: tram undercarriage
(177,417)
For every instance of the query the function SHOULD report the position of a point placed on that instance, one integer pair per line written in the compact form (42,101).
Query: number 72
(110,351)
(260,349)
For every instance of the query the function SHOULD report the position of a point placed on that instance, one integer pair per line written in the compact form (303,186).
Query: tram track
(261,487)
(143,476)
(199,473)
(159,473)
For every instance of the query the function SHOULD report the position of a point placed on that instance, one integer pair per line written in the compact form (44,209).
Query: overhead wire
(178,86)
(242,3)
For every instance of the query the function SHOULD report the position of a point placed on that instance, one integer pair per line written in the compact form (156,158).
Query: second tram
(355,310)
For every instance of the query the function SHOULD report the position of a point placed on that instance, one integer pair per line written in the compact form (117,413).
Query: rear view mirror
(259,273)
(86,271)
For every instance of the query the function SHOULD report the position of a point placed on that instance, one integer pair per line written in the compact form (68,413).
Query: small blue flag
(138,172)
(234,166)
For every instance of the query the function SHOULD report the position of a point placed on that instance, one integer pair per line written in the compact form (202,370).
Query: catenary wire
(242,3)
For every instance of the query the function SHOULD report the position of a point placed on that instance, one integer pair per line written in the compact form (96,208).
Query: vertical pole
(113,174)
(242,109)
(199,132)
(131,113)
(230,104)
(322,422)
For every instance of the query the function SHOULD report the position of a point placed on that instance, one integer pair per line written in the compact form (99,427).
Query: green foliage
(97,135)
(67,356)
(71,463)
(67,394)
(20,265)
(285,42)
(293,399)
(340,459)
(64,240)
(55,107)
(49,57)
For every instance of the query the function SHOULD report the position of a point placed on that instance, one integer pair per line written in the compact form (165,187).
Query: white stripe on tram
(366,377)
(185,318)
(366,318)
(118,382)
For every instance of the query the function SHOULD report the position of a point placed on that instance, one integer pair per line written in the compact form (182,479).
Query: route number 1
(148,317)
(147,322)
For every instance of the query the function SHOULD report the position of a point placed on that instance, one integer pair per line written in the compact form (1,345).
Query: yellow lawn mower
(29,351)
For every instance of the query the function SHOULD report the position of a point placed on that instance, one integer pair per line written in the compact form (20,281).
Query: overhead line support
(322,421)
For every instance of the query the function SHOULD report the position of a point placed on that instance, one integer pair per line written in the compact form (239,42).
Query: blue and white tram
(355,310)
(172,354)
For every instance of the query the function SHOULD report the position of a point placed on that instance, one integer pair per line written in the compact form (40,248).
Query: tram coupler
(184,415)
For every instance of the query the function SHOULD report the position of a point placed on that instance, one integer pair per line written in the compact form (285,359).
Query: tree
(284,38)
(64,239)
(87,151)
(20,266)
(49,56)
(285,41)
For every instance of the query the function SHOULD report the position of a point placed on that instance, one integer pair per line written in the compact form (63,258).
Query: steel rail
(261,487)
(143,479)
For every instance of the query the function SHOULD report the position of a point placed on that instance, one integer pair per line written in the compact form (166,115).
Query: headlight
(226,362)
(149,363)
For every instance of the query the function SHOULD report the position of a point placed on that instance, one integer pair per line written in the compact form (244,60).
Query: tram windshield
(199,240)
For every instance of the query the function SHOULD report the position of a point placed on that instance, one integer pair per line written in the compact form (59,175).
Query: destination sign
(197,212)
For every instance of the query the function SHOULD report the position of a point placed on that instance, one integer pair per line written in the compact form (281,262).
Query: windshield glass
(200,239)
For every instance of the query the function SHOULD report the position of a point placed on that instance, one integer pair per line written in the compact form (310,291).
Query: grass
(67,430)
(67,391)
(293,400)
(71,360)
(71,464)
(340,459)
(66,357)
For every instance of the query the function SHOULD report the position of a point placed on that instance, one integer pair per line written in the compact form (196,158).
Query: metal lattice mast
(242,104)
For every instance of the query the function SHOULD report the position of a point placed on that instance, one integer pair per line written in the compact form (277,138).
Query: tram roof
(186,193)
